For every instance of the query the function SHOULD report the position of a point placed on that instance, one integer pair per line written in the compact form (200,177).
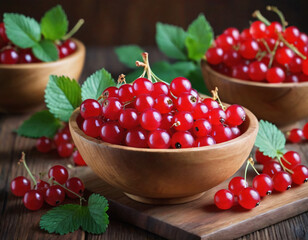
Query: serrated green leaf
(46,51)
(94,86)
(129,54)
(164,71)
(270,140)
(62,219)
(171,40)
(54,23)
(199,38)
(39,124)
(62,96)
(23,31)
(184,68)
(197,81)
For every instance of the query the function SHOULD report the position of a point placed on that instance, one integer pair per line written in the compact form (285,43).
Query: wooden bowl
(281,104)
(22,86)
(165,176)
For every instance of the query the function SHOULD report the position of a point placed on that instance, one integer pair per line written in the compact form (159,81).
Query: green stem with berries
(284,23)
(80,197)
(257,14)
(74,29)
(23,161)
(291,46)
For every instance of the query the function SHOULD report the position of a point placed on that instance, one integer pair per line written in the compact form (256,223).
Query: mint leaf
(39,124)
(199,38)
(270,140)
(23,31)
(62,219)
(46,51)
(171,40)
(94,86)
(54,23)
(62,96)
(129,54)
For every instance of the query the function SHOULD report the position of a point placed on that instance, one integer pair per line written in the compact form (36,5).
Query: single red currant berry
(3,35)
(70,45)
(292,78)
(26,56)
(237,184)
(258,30)
(54,195)
(163,104)
(300,174)
(33,200)
(240,71)
(43,144)
(41,187)
(126,93)
(137,137)
(221,133)
(78,159)
(245,35)
(231,58)
(92,126)
(150,119)
(183,121)
(65,149)
(305,66)
(257,71)
(273,29)
(76,185)
(143,102)
(235,132)
(186,102)
(284,55)
(295,135)
(282,181)
(263,184)
(204,141)
(58,173)
(214,55)
(225,42)
(166,122)
(182,140)
(217,116)
(275,75)
(20,185)
(112,132)
(210,103)
(249,49)
(305,130)
(271,168)
(200,111)
(110,92)
(249,198)
(61,137)
(129,118)
(295,66)
(224,199)
(233,32)
(159,139)
(9,56)
(235,115)
(111,108)
(291,34)
(291,159)
(260,158)
(180,85)
(142,86)
(202,128)
(62,51)
(159,89)
(90,108)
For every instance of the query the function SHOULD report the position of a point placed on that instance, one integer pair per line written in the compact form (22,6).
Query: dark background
(117,22)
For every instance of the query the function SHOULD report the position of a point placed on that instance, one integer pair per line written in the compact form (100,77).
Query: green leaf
(197,81)
(62,96)
(46,51)
(199,38)
(23,31)
(129,54)
(270,140)
(62,219)
(132,76)
(94,86)
(171,40)
(184,68)
(54,23)
(39,124)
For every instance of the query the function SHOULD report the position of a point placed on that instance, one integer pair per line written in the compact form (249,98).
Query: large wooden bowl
(165,176)
(22,85)
(282,104)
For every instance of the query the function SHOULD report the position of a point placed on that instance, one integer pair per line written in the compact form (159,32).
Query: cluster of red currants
(261,53)
(53,194)
(274,176)
(297,135)
(63,142)
(157,115)
(11,54)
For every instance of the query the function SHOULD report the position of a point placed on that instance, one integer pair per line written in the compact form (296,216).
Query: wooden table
(16,222)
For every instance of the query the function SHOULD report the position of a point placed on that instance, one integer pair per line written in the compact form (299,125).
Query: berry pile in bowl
(264,68)
(162,143)
(29,55)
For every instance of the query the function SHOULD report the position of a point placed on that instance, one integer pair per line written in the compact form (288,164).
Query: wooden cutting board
(200,219)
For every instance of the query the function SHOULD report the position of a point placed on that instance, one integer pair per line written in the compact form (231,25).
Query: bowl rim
(17,66)
(253,127)
(250,83)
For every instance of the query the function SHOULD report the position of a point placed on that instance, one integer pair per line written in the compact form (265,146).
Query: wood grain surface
(16,222)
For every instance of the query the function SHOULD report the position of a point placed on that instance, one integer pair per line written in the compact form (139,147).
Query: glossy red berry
(249,198)
(200,111)
(54,195)
(183,121)
(126,93)
(245,35)
(282,181)
(237,184)
(62,51)
(3,35)
(160,88)
(90,108)
(166,121)
(292,157)
(260,158)
(214,55)
(33,200)
(202,128)
(143,102)
(231,58)
(137,137)
(235,132)
(233,32)
(180,85)
(76,185)
(44,144)
(295,66)
(272,30)
(186,102)
(9,56)
(225,42)
(240,71)
(275,75)
(204,141)
(92,126)
(58,173)
(182,140)
(142,86)
(257,71)
(222,133)
(61,137)
(217,116)
(210,103)
(235,115)
(26,56)
(78,159)
(150,119)
(70,45)
(65,149)
(284,55)
(263,184)
(163,104)
(159,139)
(110,92)
(129,118)
(291,34)
(300,174)
(20,185)
(292,78)
(258,30)
(295,135)
(249,49)
(305,131)
(224,199)
(271,168)
(111,108)
(112,132)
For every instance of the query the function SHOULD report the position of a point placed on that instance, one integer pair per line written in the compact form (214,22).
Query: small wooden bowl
(281,104)
(165,176)
(22,86)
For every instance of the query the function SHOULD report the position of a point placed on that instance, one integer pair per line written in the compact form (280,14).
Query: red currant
(126,93)
(183,121)
(78,159)
(300,174)
(159,139)
(271,168)
(235,132)
(166,122)
(284,55)
(129,118)
(292,157)
(210,103)
(163,104)
(233,32)
(260,158)
(70,45)
(245,35)
(273,29)
(263,184)
(200,111)
(235,115)
(224,199)
(33,200)
(237,184)
(249,49)
(58,173)
(275,75)
(186,102)
(112,132)
(54,195)
(202,128)
(204,141)
(44,144)
(76,185)
(240,71)
(143,102)
(142,86)
(137,137)
(111,92)
(214,55)
(111,108)
(159,89)
(295,66)
(92,126)
(291,34)
(295,135)
(217,116)
(90,108)
(231,58)
(61,137)
(41,187)
(65,149)
(258,30)
(180,85)
(225,42)
(62,51)
(3,35)
(182,140)
(20,185)
(249,198)
(221,133)
(282,181)
(9,56)
(150,119)
(305,130)
(257,71)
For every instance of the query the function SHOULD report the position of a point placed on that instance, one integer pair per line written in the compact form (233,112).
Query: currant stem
(216,97)
(257,14)
(246,168)
(250,160)
(273,54)
(291,46)
(266,46)
(284,167)
(23,161)
(73,30)
(80,197)
(284,23)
